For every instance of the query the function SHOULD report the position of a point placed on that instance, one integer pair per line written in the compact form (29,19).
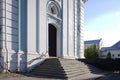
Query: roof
(116,46)
(92,41)
(108,48)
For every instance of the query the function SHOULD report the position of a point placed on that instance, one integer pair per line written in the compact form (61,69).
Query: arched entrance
(52,33)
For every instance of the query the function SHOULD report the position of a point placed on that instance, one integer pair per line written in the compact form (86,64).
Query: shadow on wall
(1,64)
(14,26)
(13,37)
(23,63)
(13,62)
(15,65)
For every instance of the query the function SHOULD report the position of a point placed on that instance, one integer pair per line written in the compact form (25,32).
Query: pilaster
(75,27)
(70,28)
(81,33)
(65,27)
(21,54)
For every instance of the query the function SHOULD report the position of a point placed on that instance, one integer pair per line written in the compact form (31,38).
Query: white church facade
(33,30)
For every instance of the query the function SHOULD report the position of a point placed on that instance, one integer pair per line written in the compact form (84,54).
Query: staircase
(61,68)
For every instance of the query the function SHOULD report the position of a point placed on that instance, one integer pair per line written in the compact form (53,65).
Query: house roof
(116,46)
(92,41)
(108,48)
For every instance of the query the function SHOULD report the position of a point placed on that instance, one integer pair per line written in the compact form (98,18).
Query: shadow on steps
(51,68)
(57,68)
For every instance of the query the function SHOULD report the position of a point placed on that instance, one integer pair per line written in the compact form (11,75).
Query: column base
(9,60)
(22,61)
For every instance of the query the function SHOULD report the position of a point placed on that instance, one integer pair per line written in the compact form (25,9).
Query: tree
(91,52)
(109,55)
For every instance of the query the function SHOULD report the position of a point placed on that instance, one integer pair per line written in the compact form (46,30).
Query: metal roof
(92,41)
(116,46)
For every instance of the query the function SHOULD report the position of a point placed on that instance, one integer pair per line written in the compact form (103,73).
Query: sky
(102,20)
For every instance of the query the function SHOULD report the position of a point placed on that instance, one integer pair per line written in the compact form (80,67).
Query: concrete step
(60,68)
(60,71)
(77,74)
(50,75)
(66,70)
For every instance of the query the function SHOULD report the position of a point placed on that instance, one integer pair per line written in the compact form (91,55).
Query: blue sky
(102,20)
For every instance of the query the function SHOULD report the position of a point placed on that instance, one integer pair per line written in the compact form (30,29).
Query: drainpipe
(6,40)
(18,69)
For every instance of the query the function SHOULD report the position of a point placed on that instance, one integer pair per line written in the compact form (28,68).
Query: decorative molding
(56,6)
(54,17)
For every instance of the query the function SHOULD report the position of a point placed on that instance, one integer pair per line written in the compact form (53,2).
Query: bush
(104,64)
(91,52)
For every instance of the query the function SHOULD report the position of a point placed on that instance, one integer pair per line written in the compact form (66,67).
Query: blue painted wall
(23,27)
(37,26)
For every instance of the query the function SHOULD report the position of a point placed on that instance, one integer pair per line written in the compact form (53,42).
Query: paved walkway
(14,76)
(111,76)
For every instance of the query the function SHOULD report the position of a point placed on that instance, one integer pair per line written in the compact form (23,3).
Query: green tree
(109,55)
(91,52)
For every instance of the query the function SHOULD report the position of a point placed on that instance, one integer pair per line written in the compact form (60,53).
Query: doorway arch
(52,33)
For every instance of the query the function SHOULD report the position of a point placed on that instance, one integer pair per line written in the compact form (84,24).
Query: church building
(33,30)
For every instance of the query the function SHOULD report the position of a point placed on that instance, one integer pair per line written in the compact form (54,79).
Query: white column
(71,28)
(4,53)
(81,21)
(43,27)
(36,21)
(31,26)
(65,27)
(75,27)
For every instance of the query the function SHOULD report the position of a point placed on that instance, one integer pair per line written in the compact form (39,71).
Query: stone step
(77,74)
(56,65)
(51,72)
(59,71)
(66,72)
(61,68)
(50,75)
(60,75)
